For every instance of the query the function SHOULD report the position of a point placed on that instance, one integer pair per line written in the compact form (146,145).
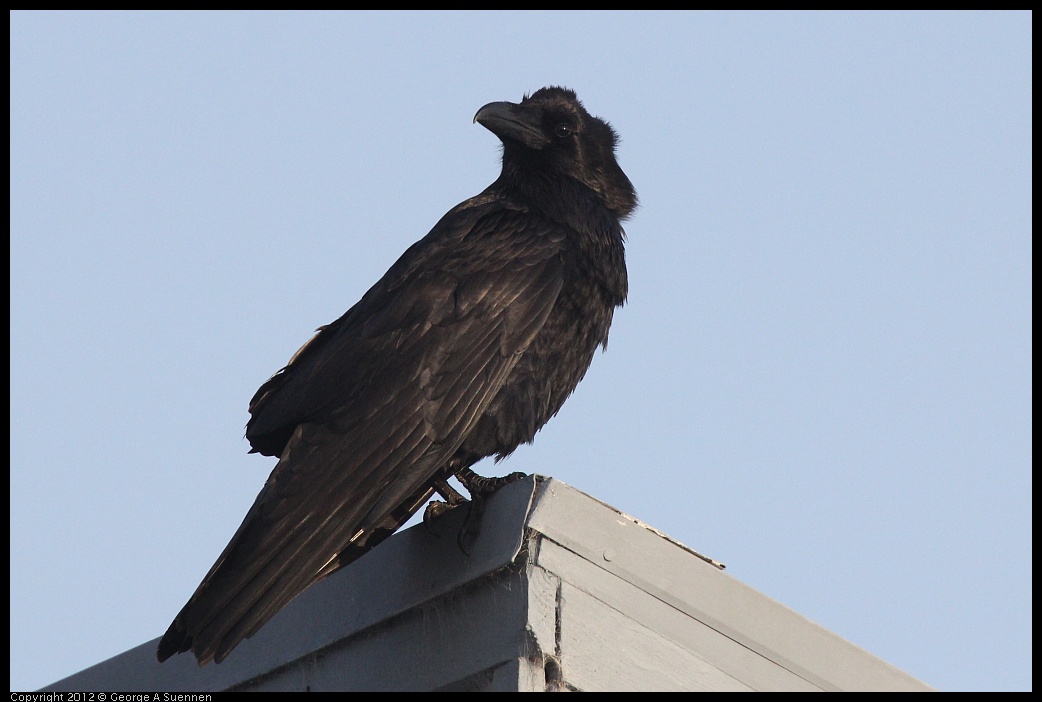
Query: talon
(435,508)
(471,527)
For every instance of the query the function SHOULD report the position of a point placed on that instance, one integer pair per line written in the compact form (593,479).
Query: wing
(377,402)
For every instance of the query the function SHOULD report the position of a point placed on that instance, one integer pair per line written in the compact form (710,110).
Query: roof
(560,591)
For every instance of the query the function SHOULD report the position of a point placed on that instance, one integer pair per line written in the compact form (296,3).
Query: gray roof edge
(412,567)
(417,566)
(694,585)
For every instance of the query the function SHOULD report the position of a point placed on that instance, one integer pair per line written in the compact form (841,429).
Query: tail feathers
(228,608)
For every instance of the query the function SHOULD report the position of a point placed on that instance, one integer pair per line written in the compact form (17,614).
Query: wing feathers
(405,387)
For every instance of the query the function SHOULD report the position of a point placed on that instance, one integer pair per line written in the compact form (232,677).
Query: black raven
(464,349)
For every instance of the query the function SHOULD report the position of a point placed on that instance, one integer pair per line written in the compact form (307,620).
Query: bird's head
(550,133)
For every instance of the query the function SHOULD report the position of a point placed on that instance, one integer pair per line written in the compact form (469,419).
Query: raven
(464,349)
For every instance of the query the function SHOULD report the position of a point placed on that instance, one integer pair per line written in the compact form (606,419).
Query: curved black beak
(518,123)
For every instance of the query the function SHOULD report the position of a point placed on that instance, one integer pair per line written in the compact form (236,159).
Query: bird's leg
(479,488)
(436,508)
(448,493)
(479,484)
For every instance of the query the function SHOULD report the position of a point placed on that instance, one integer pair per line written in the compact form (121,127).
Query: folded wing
(369,412)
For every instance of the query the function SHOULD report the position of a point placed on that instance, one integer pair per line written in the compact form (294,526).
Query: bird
(464,349)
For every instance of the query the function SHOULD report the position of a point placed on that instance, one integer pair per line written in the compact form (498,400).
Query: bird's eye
(562,130)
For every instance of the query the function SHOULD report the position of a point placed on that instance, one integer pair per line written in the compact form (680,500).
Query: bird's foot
(436,508)
(479,488)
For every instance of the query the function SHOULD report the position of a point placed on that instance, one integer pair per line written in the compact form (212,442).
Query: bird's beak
(517,123)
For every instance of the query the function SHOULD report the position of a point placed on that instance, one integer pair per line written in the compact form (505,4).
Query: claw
(471,527)
(435,508)
(479,488)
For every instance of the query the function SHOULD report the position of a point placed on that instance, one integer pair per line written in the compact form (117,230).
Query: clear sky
(822,377)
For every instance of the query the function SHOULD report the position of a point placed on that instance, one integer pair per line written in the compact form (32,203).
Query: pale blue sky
(822,378)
